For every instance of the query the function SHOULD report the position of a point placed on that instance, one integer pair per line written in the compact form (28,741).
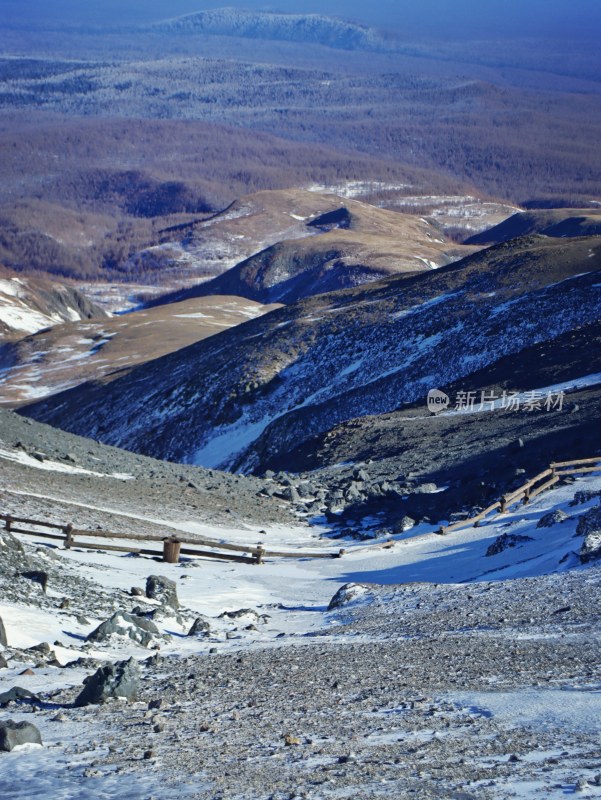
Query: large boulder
(347,595)
(15,694)
(552,518)
(138,629)
(12,734)
(113,680)
(12,554)
(590,522)
(200,627)
(162,589)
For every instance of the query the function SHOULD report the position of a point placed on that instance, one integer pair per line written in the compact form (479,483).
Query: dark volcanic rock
(113,680)
(15,694)
(200,627)
(13,734)
(349,593)
(162,589)
(552,518)
(590,522)
(591,547)
(505,541)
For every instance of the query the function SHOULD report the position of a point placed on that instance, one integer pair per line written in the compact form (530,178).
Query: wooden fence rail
(530,489)
(172,545)
(172,548)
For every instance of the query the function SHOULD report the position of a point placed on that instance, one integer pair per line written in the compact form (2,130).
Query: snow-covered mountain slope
(299,28)
(301,370)
(30,304)
(294,243)
(70,354)
(480,439)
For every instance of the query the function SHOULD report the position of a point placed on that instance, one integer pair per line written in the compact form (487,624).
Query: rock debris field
(423,690)
(465,666)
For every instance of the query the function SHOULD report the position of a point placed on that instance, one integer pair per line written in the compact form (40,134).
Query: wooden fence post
(526,499)
(259,554)
(68,531)
(8,523)
(341,552)
(503,508)
(442,531)
(171,550)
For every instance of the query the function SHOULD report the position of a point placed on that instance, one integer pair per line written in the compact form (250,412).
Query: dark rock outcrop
(162,589)
(113,680)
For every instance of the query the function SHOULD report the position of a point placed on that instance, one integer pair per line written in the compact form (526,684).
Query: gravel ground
(177,491)
(378,705)
(482,690)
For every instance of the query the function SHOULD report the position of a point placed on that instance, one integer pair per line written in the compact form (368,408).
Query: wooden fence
(542,482)
(175,546)
(172,546)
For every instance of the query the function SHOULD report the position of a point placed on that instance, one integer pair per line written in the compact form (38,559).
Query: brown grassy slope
(344,243)
(71,354)
(121,182)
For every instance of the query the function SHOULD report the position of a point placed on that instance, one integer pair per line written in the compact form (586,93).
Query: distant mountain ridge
(303,28)
(251,394)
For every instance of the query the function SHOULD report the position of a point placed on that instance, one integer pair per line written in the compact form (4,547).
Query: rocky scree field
(463,666)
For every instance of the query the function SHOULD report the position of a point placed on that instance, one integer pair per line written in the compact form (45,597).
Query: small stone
(513,758)
(291,741)
(27,671)
(148,754)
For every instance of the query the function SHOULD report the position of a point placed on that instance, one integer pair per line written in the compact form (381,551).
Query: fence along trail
(172,548)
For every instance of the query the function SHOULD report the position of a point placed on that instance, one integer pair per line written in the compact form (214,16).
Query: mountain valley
(300,378)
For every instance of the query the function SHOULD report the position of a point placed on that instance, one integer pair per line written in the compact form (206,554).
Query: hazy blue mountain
(429,18)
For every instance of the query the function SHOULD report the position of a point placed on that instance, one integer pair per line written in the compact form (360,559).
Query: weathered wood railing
(542,482)
(173,546)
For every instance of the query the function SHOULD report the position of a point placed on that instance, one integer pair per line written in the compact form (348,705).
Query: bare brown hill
(308,243)
(72,354)
(558,222)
